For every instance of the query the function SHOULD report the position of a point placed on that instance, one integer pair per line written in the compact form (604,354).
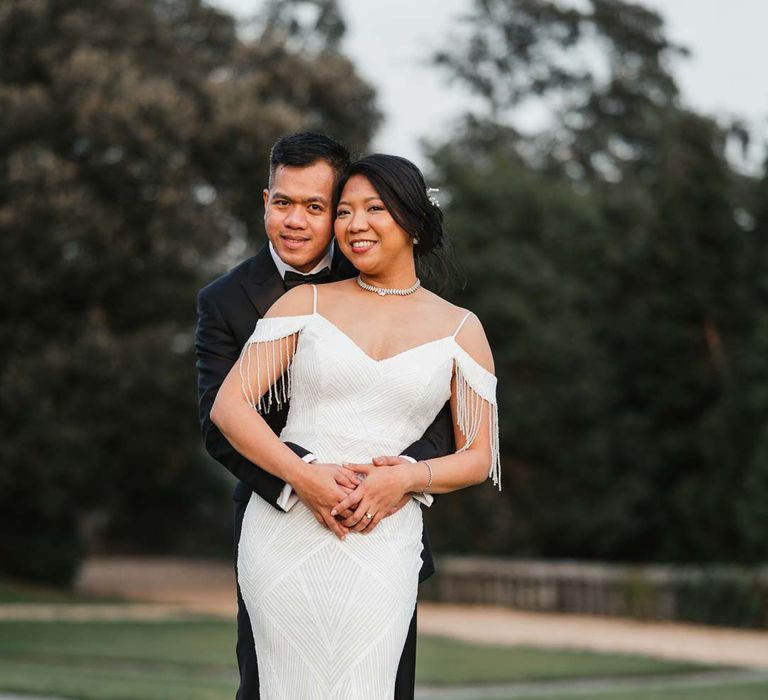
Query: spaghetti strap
(456,332)
(314,301)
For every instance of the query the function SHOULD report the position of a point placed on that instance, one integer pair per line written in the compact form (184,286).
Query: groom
(303,171)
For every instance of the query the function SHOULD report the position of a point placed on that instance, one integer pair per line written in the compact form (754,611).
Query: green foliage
(738,600)
(614,262)
(135,136)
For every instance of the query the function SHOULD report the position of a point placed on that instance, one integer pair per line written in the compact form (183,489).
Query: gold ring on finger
(369,516)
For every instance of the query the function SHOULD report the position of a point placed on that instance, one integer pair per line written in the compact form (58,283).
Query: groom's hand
(320,487)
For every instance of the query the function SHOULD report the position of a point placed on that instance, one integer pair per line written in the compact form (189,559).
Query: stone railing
(715,594)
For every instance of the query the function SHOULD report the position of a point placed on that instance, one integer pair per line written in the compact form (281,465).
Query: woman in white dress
(367,364)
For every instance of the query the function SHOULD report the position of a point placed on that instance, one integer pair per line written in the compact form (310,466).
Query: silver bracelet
(429,483)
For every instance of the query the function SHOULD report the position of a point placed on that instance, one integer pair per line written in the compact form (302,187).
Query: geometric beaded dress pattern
(330,618)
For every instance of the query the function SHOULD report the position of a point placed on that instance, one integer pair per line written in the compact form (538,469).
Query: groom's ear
(265,194)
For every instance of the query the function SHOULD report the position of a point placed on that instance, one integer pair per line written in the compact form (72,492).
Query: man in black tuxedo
(299,209)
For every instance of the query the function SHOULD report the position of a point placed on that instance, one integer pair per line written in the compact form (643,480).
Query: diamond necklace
(383,291)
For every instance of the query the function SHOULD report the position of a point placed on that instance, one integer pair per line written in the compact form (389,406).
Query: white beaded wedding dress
(330,617)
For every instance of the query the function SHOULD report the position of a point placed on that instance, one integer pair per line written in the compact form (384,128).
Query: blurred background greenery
(617,258)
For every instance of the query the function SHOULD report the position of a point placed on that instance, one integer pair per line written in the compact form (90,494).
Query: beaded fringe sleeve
(476,391)
(269,351)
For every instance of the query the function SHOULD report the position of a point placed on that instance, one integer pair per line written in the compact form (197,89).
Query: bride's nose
(358,222)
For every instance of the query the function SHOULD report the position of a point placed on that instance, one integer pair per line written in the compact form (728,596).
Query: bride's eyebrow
(367,199)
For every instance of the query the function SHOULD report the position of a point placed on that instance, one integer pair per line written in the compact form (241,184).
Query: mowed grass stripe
(182,642)
(756,691)
(88,683)
(448,661)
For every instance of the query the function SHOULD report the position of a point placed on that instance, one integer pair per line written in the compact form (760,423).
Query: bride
(367,364)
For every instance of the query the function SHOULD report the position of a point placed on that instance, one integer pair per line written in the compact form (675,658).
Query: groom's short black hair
(305,148)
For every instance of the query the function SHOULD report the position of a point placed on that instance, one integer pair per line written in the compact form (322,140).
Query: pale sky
(390,43)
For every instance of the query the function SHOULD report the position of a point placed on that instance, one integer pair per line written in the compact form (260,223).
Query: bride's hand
(383,491)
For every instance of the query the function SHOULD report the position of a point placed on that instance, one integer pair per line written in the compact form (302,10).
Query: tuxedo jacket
(228,309)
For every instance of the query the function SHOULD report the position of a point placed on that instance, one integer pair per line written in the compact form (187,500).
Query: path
(208,587)
(708,645)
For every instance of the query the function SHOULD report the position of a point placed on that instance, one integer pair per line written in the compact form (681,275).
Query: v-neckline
(384,359)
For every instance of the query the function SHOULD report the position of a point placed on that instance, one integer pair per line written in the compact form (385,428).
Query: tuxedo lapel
(262,282)
(264,286)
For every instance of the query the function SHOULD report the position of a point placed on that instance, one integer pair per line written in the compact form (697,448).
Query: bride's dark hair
(401,187)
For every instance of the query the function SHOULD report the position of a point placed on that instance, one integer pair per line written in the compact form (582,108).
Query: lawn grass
(195,659)
(756,691)
(182,642)
(105,682)
(447,661)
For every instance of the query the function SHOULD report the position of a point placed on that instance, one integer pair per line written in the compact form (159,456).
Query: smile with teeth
(363,245)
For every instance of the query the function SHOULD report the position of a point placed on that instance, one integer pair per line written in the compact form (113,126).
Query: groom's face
(297,213)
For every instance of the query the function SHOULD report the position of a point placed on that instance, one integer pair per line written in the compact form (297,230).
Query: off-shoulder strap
(476,390)
(270,350)
(274,327)
(467,315)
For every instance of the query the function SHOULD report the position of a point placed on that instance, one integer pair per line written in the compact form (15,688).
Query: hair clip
(432,199)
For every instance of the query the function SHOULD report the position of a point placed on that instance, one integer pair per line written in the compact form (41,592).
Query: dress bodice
(354,407)
(348,406)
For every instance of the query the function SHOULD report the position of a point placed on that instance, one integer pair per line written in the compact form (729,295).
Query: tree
(617,286)
(753,365)
(136,135)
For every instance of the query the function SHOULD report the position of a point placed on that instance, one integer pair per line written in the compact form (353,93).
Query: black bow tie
(294,279)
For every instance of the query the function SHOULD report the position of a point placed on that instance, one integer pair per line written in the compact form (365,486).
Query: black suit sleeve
(217,351)
(438,441)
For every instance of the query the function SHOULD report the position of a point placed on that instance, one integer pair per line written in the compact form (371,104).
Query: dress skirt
(329,618)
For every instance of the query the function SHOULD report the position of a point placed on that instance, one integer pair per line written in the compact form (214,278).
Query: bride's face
(366,232)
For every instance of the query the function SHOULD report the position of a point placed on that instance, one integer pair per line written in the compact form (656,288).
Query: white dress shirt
(283,267)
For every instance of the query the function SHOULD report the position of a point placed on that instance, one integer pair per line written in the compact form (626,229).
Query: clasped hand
(356,497)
